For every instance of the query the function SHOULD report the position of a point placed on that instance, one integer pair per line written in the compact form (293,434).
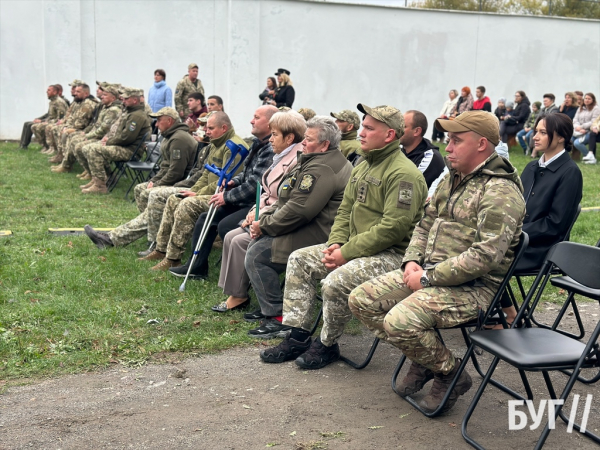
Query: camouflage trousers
(50,132)
(39,130)
(147,223)
(305,269)
(178,221)
(407,319)
(98,156)
(74,141)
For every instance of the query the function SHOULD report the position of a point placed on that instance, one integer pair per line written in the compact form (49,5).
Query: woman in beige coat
(287,131)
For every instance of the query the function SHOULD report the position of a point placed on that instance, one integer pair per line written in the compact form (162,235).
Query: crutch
(225,174)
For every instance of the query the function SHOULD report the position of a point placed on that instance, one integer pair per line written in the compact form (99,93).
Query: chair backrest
(136,152)
(577,212)
(578,261)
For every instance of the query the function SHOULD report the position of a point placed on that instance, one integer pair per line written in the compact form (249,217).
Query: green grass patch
(66,307)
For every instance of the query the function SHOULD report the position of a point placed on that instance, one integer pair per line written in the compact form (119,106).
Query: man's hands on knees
(333,257)
(412,275)
(255,230)
(184,194)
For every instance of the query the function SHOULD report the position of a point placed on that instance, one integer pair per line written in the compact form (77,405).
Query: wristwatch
(425,280)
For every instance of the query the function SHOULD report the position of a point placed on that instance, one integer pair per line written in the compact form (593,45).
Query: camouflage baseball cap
(127,92)
(389,115)
(192,66)
(166,111)
(348,116)
(76,82)
(483,123)
(307,113)
(111,89)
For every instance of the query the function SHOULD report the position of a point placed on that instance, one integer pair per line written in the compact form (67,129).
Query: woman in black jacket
(513,124)
(552,188)
(285,94)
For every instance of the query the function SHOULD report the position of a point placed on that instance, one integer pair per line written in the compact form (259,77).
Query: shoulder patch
(176,154)
(307,183)
(132,126)
(405,192)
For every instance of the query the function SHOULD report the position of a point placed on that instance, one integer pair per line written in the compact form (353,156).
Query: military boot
(441,383)
(84,175)
(85,186)
(414,380)
(56,159)
(44,150)
(99,187)
(102,240)
(166,263)
(60,169)
(318,355)
(154,256)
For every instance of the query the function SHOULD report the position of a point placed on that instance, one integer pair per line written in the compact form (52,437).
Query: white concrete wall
(339,54)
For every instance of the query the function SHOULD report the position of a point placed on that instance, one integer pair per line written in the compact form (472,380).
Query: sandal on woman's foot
(222,307)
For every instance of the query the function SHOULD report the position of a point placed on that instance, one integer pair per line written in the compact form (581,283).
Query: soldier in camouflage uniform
(52,129)
(181,213)
(457,258)
(78,120)
(56,111)
(382,204)
(307,113)
(188,84)
(348,123)
(108,114)
(133,129)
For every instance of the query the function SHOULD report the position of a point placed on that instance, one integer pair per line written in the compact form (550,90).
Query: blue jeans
(523,138)
(580,143)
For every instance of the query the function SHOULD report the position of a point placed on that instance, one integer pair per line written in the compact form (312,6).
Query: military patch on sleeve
(132,126)
(176,154)
(405,192)
(307,183)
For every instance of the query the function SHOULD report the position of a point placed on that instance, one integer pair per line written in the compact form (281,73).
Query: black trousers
(437,134)
(592,142)
(26,134)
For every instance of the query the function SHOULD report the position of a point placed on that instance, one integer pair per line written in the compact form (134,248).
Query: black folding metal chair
(142,171)
(542,349)
(119,168)
(484,318)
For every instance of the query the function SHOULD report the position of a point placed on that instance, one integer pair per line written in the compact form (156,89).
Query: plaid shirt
(258,161)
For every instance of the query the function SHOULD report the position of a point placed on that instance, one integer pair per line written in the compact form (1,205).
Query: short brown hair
(161,72)
(482,89)
(419,120)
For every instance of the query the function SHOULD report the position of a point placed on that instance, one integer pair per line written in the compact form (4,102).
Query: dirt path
(234,401)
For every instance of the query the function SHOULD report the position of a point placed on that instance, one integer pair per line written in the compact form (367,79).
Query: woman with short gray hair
(327,130)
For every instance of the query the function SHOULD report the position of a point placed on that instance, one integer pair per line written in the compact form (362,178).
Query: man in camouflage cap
(348,123)
(56,110)
(307,113)
(188,84)
(52,129)
(133,128)
(382,203)
(457,258)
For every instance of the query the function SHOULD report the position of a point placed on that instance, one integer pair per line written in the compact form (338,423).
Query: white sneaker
(588,157)
(591,160)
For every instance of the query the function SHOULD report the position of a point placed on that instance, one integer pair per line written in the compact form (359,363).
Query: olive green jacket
(349,144)
(382,203)
(178,150)
(132,128)
(218,155)
(308,200)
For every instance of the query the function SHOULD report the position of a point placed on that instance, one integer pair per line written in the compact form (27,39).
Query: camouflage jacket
(349,144)
(382,204)
(108,116)
(57,109)
(470,231)
(115,126)
(133,127)
(198,169)
(72,109)
(184,88)
(218,155)
(178,151)
(80,118)
(97,111)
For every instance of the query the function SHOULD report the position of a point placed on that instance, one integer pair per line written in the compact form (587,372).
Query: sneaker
(102,240)
(269,329)
(588,157)
(591,160)
(287,350)
(254,316)
(318,355)
(198,272)
(441,383)
(154,255)
(414,380)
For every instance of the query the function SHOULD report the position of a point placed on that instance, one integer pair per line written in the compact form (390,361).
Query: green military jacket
(184,88)
(471,227)
(132,128)
(178,151)
(218,155)
(108,116)
(82,116)
(382,203)
(196,172)
(57,109)
(308,199)
(349,144)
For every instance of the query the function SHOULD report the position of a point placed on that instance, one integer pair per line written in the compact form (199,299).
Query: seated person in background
(444,113)
(585,116)
(307,113)
(553,190)
(381,205)
(464,102)
(500,110)
(56,110)
(524,136)
(178,151)
(419,150)
(515,123)
(569,105)
(483,102)
(579,95)
(594,131)
(348,122)
(287,131)
(214,103)
(548,102)
(269,93)
(455,261)
(197,107)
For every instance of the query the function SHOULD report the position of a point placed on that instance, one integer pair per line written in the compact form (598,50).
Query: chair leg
(365,363)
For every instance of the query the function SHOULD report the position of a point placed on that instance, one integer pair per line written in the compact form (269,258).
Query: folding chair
(142,171)
(541,349)
(483,319)
(119,169)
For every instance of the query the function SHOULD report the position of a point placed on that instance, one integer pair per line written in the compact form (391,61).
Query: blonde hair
(285,80)
(289,122)
(574,99)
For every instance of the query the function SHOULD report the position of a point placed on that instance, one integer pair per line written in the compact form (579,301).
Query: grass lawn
(67,307)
